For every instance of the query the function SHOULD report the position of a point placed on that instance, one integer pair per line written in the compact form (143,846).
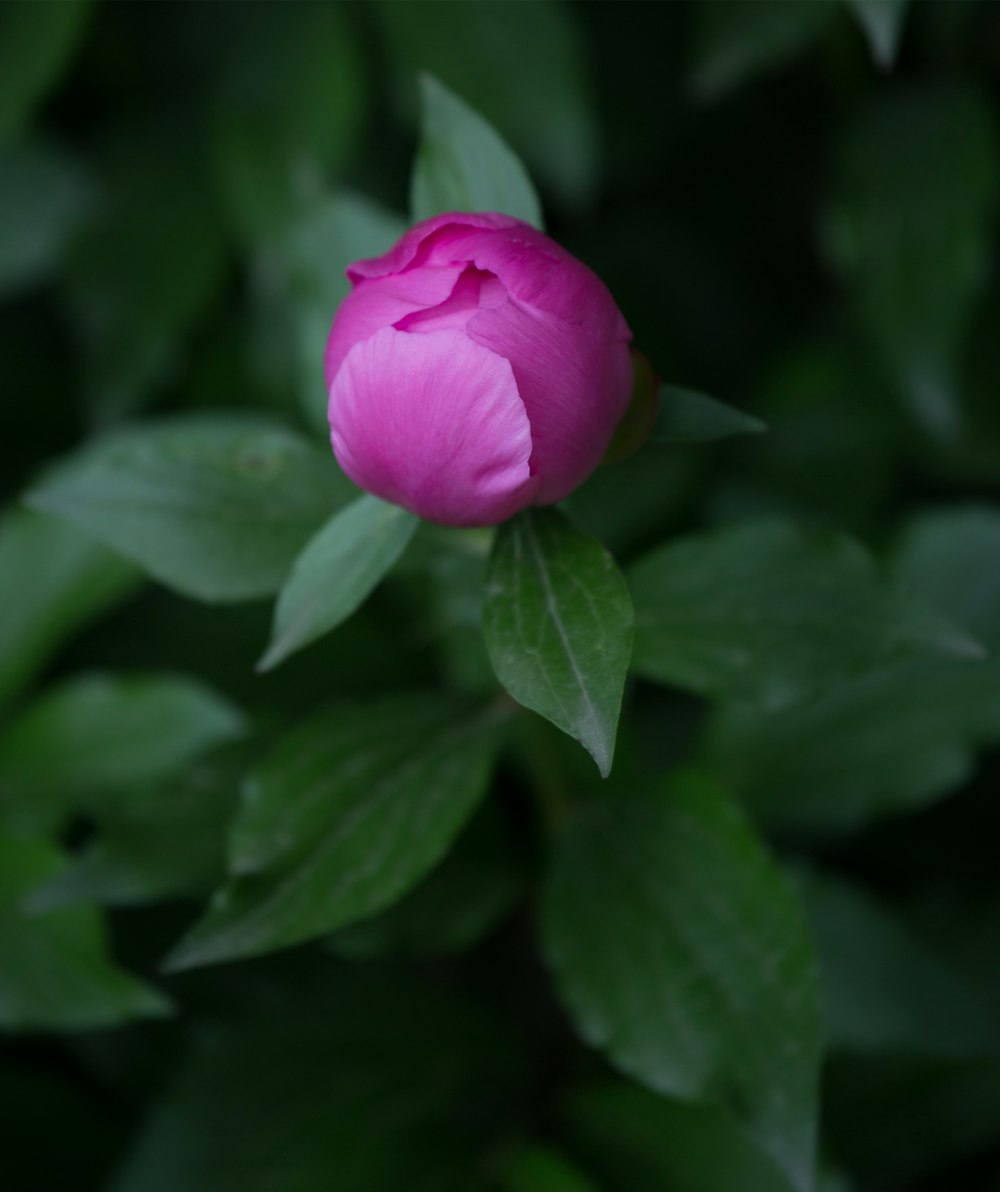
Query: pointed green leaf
(464,165)
(345,816)
(336,572)
(767,612)
(97,736)
(680,950)
(688,417)
(54,969)
(558,624)
(553,122)
(215,506)
(882,24)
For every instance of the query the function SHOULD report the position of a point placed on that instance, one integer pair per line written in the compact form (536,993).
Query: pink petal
(403,253)
(433,423)
(473,291)
(537,272)
(575,388)
(372,305)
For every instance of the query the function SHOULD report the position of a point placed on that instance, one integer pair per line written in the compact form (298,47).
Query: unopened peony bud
(475,369)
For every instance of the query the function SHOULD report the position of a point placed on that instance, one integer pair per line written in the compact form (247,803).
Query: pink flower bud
(475,369)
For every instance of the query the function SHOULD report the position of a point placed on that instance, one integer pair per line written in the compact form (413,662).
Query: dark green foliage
(305,881)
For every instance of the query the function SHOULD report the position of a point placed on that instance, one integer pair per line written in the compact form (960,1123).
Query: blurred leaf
(951,557)
(637,1139)
(558,625)
(463,165)
(348,813)
(163,842)
(471,49)
(884,743)
(45,198)
(882,24)
(539,1168)
(286,112)
(54,580)
(315,253)
(883,989)
(897,738)
(307,1093)
(736,40)
(99,736)
(680,951)
(453,908)
(147,266)
(689,417)
(909,230)
(36,43)
(215,506)
(449,578)
(767,612)
(336,572)
(54,970)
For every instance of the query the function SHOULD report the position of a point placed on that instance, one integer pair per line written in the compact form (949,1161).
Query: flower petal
(403,253)
(372,305)
(538,273)
(576,389)
(433,423)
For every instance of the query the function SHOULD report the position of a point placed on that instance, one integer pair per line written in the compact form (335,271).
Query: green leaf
(216,507)
(636,1139)
(883,988)
(539,1168)
(45,197)
(286,112)
(951,558)
(901,736)
(304,1093)
(157,220)
(463,165)
(766,612)
(680,951)
(315,253)
(336,572)
(36,43)
(99,736)
(54,580)
(460,902)
(881,22)
(54,969)
(909,229)
(157,843)
(558,625)
(346,815)
(884,743)
(554,122)
(688,417)
(736,40)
